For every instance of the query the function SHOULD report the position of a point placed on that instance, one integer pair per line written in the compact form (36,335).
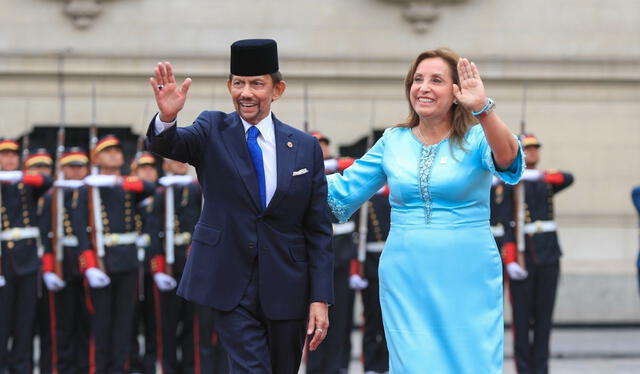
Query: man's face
(75,172)
(147,173)
(111,158)
(9,160)
(39,170)
(175,167)
(532,154)
(252,96)
(326,154)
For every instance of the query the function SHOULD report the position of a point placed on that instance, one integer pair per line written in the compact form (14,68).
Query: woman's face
(431,94)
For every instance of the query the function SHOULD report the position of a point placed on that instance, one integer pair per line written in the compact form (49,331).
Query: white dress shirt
(266,141)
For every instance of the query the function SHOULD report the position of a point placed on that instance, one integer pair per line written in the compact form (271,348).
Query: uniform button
(10,245)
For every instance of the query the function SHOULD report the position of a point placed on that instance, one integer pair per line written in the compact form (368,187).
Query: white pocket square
(300,172)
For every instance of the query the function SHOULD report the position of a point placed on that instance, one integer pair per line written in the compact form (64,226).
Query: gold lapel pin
(290,144)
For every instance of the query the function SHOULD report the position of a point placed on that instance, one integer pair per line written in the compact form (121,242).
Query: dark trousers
(532,302)
(374,344)
(176,329)
(112,323)
(324,359)
(210,358)
(144,323)
(43,329)
(69,330)
(256,344)
(17,317)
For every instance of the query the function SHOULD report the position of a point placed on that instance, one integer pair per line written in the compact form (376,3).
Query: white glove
(356,282)
(68,183)
(330,166)
(3,282)
(53,282)
(100,180)
(516,272)
(97,278)
(532,175)
(176,180)
(14,176)
(164,282)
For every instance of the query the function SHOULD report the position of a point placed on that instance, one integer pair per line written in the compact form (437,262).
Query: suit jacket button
(252,245)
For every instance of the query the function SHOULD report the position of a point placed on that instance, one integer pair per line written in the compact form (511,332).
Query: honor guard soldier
(39,162)
(180,202)
(114,289)
(69,318)
(148,225)
(19,237)
(374,345)
(325,360)
(533,289)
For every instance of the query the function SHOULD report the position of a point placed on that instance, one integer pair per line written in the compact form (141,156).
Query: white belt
(376,247)
(497,231)
(126,238)
(20,233)
(143,241)
(70,241)
(540,226)
(343,228)
(182,238)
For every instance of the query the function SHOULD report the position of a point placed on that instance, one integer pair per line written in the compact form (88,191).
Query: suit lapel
(235,142)
(286,151)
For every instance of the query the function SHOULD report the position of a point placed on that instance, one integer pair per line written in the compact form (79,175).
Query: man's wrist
(167,118)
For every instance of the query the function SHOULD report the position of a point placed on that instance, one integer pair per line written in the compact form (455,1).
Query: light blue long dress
(440,271)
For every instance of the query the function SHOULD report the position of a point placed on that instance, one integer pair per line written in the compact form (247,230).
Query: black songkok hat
(252,57)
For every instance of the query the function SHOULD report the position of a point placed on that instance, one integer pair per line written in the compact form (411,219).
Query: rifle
(519,196)
(169,228)
(95,204)
(58,197)
(306,107)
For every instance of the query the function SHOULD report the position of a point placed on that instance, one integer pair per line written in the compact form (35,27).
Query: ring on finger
(160,86)
(319,330)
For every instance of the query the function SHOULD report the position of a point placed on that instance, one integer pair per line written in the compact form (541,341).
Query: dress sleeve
(510,175)
(347,192)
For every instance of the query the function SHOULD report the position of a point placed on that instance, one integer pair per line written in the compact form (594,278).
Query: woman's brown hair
(461,117)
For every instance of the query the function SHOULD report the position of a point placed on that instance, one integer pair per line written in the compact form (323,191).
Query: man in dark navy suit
(261,251)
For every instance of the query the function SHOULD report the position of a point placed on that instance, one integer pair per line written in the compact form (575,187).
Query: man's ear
(278,90)
(229,85)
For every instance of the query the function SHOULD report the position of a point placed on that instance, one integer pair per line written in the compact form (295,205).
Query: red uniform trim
(54,330)
(132,184)
(158,264)
(87,260)
(510,252)
(34,180)
(87,297)
(554,178)
(345,162)
(354,267)
(48,263)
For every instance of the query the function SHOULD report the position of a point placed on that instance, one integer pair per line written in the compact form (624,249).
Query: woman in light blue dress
(440,271)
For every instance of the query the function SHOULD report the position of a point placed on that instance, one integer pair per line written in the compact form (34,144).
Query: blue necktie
(256,159)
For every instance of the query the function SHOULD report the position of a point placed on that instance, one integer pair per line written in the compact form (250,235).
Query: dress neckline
(414,137)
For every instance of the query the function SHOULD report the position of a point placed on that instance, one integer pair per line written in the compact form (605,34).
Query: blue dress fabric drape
(440,271)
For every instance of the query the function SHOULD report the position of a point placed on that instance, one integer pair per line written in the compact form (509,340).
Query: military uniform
(69,325)
(326,358)
(20,264)
(499,215)
(533,298)
(196,339)
(374,345)
(149,226)
(113,306)
(39,161)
